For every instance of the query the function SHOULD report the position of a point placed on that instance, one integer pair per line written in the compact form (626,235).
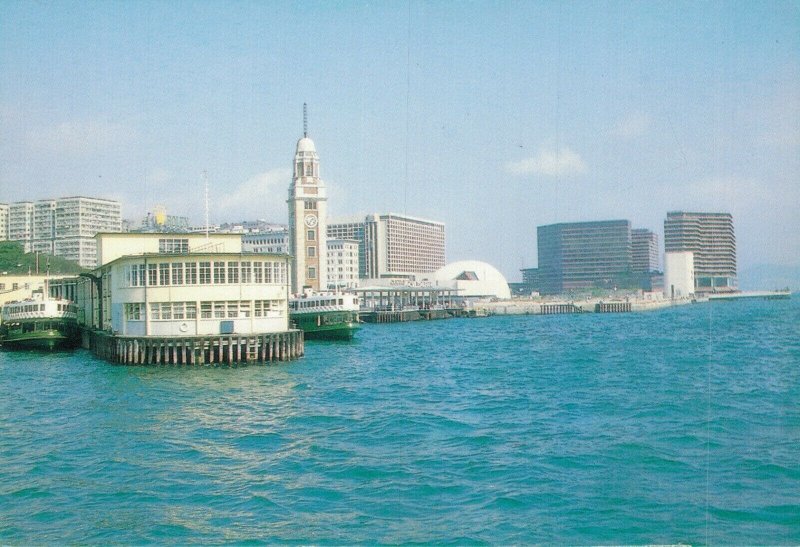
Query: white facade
(308,220)
(3,221)
(342,263)
(20,223)
(353,229)
(678,274)
(275,241)
(64,227)
(187,286)
(472,280)
(401,245)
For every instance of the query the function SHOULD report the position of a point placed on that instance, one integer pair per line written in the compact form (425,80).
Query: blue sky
(493,117)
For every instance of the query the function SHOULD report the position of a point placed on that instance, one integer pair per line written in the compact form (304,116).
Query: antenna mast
(305,120)
(205,180)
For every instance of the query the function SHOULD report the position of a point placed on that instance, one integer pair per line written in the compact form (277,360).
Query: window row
(205,273)
(230,309)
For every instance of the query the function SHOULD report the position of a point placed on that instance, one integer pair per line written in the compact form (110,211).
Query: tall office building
(711,238)
(400,245)
(3,221)
(63,227)
(308,220)
(351,229)
(342,263)
(20,223)
(644,251)
(581,255)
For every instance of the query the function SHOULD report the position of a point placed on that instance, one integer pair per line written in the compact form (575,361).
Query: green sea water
(676,426)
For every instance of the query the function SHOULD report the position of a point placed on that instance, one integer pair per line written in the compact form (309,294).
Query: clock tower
(308,219)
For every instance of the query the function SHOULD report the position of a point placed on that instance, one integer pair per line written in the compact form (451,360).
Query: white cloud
(80,137)
(631,126)
(262,196)
(550,162)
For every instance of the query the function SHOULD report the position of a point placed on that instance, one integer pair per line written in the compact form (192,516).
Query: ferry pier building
(186,299)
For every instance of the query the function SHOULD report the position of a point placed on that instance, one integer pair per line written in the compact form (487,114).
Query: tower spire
(305,120)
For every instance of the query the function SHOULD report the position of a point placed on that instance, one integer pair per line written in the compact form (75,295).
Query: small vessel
(326,316)
(39,323)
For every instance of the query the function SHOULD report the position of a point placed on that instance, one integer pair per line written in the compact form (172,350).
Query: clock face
(311,221)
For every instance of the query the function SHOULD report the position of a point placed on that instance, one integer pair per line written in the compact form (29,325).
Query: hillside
(13,261)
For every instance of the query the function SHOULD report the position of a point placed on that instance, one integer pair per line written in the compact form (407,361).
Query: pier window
(233,272)
(177,273)
(133,275)
(247,276)
(310,205)
(312,272)
(219,272)
(173,245)
(311,251)
(133,311)
(311,235)
(205,273)
(152,275)
(190,273)
(205,310)
(163,274)
(258,272)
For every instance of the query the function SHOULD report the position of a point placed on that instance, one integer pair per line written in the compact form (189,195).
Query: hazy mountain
(769,277)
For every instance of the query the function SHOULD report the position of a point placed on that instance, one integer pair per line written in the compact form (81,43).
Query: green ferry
(325,316)
(39,323)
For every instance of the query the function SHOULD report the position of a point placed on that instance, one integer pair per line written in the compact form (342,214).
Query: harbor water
(679,425)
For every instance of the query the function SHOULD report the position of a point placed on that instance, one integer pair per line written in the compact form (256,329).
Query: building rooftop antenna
(205,181)
(305,120)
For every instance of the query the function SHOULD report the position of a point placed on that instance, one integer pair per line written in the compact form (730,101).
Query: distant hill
(13,261)
(769,277)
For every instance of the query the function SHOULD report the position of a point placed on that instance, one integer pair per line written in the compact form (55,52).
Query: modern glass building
(583,255)
(711,238)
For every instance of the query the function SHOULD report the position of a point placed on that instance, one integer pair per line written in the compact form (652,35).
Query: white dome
(306,145)
(475,278)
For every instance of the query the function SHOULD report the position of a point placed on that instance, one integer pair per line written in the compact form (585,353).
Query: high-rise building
(308,220)
(20,223)
(711,238)
(400,245)
(351,229)
(63,227)
(644,251)
(582,255)
(342,263)
(3,221)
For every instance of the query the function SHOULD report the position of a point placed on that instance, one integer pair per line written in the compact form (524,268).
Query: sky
(492,117)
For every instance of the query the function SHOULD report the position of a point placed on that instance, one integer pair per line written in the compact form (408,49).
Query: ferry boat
(39,323)
(327,316)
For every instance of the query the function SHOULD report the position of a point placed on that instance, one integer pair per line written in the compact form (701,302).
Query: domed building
(473,279)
